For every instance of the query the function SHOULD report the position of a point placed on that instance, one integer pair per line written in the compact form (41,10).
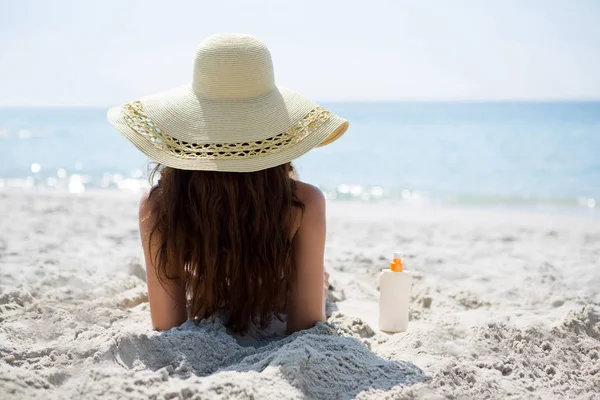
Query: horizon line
(339,101)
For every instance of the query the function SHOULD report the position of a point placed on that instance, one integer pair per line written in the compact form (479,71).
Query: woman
(227,227)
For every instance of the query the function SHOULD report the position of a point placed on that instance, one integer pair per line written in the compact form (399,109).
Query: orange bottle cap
(396,265)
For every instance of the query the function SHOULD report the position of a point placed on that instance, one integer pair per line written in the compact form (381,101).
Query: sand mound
(200,361)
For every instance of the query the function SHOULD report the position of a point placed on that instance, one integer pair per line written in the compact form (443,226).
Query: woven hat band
(232,67)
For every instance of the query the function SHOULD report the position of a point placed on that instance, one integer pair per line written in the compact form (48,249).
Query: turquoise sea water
(540,154)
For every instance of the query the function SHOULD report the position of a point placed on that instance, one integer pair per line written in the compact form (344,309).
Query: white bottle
(394,293)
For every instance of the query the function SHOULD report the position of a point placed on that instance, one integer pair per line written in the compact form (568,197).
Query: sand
(505,304)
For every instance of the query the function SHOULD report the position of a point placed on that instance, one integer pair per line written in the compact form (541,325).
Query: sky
(99,53)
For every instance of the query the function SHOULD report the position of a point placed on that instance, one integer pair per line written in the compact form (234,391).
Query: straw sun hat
(232,117)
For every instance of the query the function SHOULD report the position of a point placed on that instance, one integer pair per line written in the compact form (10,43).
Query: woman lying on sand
(227,227)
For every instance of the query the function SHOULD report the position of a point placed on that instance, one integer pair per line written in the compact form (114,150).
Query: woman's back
(249,244)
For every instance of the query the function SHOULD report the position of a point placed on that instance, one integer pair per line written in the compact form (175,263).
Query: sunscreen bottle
(394,293)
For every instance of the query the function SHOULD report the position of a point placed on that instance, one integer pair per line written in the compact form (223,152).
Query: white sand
(504,305)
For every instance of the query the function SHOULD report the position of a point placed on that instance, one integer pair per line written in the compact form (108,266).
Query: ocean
(536,155)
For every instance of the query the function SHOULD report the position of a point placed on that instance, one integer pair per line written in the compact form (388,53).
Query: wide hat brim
(180,129)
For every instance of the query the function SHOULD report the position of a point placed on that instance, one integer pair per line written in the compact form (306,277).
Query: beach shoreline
(504,304)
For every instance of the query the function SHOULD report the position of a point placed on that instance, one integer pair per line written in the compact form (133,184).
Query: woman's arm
(167,299)
(305,303)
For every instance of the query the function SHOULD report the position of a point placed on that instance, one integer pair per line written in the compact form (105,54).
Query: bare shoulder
(314,207)
(312,197)
(146,206)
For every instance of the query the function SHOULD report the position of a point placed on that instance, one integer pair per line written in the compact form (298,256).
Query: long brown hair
(229,237)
